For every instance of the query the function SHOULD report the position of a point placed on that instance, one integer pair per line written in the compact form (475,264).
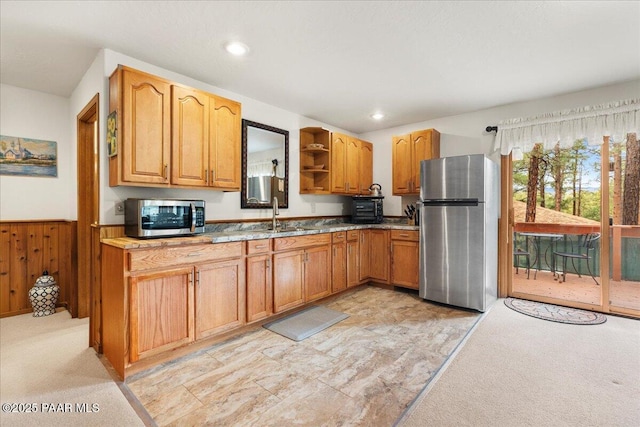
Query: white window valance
(592,123)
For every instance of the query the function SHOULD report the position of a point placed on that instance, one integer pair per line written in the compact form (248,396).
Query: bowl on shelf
(314,146)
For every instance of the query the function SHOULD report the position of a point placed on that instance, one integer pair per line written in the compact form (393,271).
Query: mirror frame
(244,204)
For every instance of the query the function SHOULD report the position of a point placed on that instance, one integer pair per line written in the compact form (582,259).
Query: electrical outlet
(119,208)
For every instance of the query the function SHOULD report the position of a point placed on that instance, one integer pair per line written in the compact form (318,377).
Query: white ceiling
(333,61)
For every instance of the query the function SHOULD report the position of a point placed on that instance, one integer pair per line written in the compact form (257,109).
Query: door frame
(88,204)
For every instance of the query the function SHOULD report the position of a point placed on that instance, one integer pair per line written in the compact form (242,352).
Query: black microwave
(366,209)
(145,218)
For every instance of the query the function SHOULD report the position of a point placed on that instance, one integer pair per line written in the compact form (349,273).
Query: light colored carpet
(515,370)
(306,323)
(46,365)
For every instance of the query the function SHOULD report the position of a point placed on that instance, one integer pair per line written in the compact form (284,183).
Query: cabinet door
(422,147)
(379,255)
(401,164)
(404,263)
(225,142)
(287,280)
(338,163)
(146,133)
(366,167)
(317,273)
(220,297)
(161,312)
(353,263)
(365,250)
(190,136)
(259,289)
(339,267)
(352,166)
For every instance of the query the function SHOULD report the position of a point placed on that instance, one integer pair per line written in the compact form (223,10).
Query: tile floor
(365,370)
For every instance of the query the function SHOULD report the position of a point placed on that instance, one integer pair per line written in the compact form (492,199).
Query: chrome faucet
(276,212)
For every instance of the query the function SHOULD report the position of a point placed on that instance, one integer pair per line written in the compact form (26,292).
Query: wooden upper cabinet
(143,112)
(401,167)
(352,166)
(225,143)
(338,163)
(426,146)
(366,167)
(345,164)
(190,136)
(407,153)
(171,135)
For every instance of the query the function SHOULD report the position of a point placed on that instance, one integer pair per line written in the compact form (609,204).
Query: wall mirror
(265,166)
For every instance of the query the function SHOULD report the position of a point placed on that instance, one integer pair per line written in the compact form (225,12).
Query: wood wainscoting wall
(27,248)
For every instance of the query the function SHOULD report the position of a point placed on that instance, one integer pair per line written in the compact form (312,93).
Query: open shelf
(312,180)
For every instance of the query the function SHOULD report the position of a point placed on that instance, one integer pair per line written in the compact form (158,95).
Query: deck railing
(624,246)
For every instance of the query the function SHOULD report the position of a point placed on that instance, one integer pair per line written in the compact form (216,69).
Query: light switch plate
(119,208)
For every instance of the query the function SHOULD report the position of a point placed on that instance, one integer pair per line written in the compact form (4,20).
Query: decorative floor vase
(44,295)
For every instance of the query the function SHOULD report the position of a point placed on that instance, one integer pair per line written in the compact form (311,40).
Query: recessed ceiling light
(377,116)
(236,48)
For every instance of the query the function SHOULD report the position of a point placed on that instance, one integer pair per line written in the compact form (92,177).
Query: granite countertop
(251,234)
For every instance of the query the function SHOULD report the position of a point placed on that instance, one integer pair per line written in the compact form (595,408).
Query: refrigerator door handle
(451,202)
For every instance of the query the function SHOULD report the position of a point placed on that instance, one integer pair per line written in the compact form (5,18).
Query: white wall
(30,114)
(465,133)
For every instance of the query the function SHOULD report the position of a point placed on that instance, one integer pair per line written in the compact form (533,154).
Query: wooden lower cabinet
(338,261)
(353,258)
(288,278)
(404,258)
(365,250)
(161,312)
(155,300)
(379,255)
(317,273)
(301,270)
(259,288)
(339,267)
(219,297)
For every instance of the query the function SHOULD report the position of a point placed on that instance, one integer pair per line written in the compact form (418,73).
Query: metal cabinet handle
(206,176)
(268,264)
(166,171)
(213,176)
(261,246)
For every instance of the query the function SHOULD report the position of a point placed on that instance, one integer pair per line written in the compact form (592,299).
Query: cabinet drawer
(296,242)
(156,258)
(405,235)
(352,235)
(338,236)
(261,246)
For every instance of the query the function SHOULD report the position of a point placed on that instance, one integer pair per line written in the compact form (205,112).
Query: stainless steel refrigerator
(459,204)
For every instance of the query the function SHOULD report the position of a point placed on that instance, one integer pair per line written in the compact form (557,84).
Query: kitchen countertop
(242,235)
